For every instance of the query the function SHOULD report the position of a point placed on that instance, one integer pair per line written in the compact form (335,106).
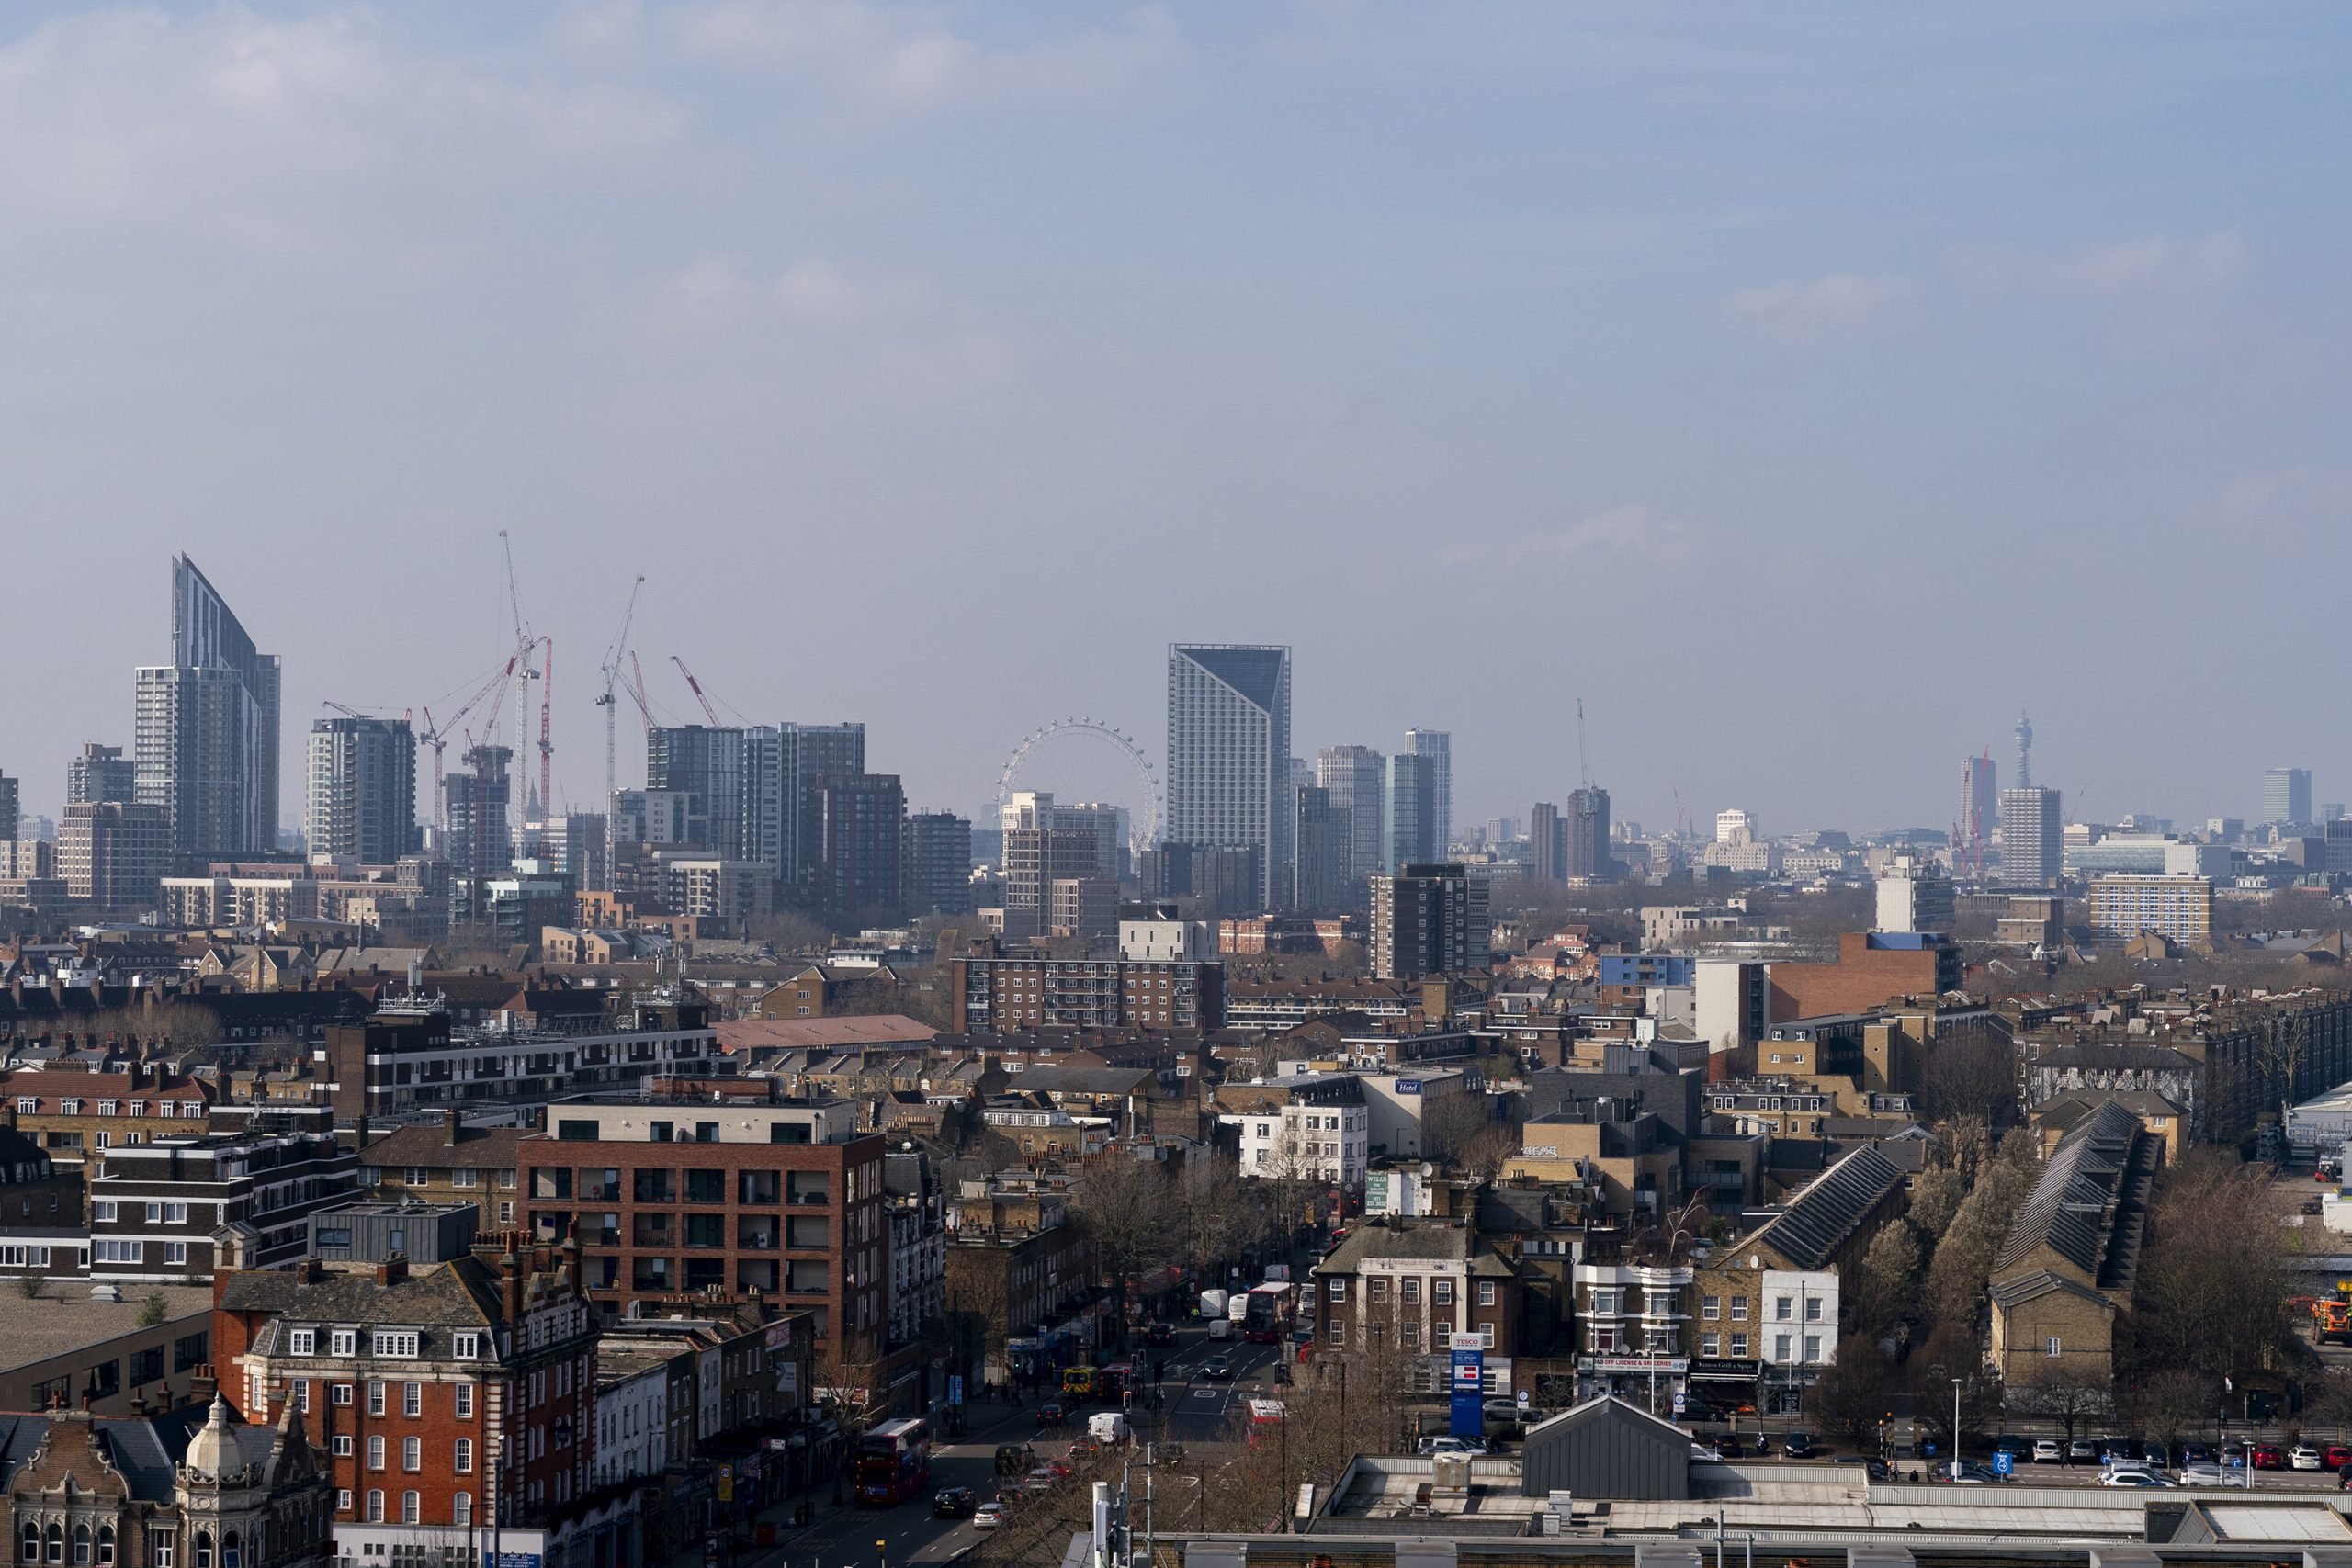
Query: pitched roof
(2041,1283)
(426,1146)
(2117,1058)
(1255,672)
(821,1033)
(1821,1215)
(1436,1243)
(1088,1080)
(2089,1204)
(461,1294)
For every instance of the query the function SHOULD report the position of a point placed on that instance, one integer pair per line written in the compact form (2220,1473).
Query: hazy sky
(1807,387)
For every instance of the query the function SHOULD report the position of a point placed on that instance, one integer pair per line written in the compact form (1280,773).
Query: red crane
(708,712)
(437,735)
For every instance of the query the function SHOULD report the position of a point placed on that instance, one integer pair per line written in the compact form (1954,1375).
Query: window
(339,1394)
(105,1545)
(31,1535)
(118,1251)
(1739,1309)
(175,1252)
(1408,1291)
(412,1509)
(375,1399)
(1780,1308)
(575,1131)
(167,1213)
(190,1350)
(343,1444)
(1486,1292)
(1335,1290)
(376,1453)
(412,1399)
(343,1501)
(347,1341)
(204,1548)
(1711,1307)
(465,1347)
(1711,1344)
(462,1177)
(1339,1334)
(461,1508)
(465,1402)
(1441,1292)
(1486,1333)
(395,1344)
(465,1456)
(1813,1309)
(375,1507)
(412,1454)
(2053,1345)
(1739,1347)
(160,1545)
(1812,1347)
(1780,1347)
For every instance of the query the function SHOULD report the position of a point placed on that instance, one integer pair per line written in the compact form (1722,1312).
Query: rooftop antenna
(1584,769)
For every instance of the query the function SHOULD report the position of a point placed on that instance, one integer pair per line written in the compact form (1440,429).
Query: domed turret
(213,1451)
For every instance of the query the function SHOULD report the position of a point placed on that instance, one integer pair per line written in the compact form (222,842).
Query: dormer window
(303,1342)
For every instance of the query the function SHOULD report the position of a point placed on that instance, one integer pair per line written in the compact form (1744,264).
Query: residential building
(100,773)
(362,802)
(1584,827)
(807,755)
(720,1184)
(1408,813)
(1159,931)
(705,763)
(1228,757)
(411,1055)
(1548,843)
(74,1115)
(1916,896)
(1872,969)
(43,1232)
(632,1410)
(455,1403)
(2287,798)
(446,1162)
(1355,777)
(1436,745)
(996,994)
(861,869)
(574,845)
(2032,838)
(1411,1288)
(917,1218)
(2180,909)
(939,864)
(162,1210)
(1309,1127)
(1083,907)
(1427,919)
(1324,834)
(10,812)
(476,802)
(1634,1324)
(1010,1289)
(2069,1266)
(206,741)
(1980,814)
(729,895)
(113,854)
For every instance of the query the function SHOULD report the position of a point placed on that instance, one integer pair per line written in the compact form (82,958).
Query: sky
(1807,387)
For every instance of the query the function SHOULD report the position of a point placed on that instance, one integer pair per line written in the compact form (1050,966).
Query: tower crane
(1584,769)
(437,735)
(524,644)
(612,672)
(695,686)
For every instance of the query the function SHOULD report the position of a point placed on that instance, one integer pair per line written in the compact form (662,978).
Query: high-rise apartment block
(2180,909)
(807,755)
(1429,918)
(1585,827)
(1547,843)
(704,763)
(113,854)
(1356,776)
(939,864)
(479,844)
(1916,896)
(1408,812)
(10,810)
(860,874)
(1228,755)
(2287,797)
(207,734)
(1436,745)
(362,802)
(1323,835)
(2033,838)
(100,773)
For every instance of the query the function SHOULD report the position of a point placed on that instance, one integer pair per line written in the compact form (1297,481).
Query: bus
(893,1461)
(1266,1417)
(1269,1314)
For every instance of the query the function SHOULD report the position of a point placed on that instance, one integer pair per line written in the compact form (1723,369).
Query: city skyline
(1629,303)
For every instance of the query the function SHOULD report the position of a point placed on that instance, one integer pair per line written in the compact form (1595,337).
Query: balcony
(812,1188)
(809,1232)
(755,1233)
(809,1279)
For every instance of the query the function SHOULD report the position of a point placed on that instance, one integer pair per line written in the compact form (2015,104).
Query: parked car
(2204,1474)
(2233,1455)
(2334,1457)
(1797,1445)
(1975,1475)
(2270,1456)
(2154,1455)
(2302,1456)
(2046,1450)
(988,1516)
(955,1503)
(2015,1448)
(2133,1476)
(2082,1452)
(2343,1478)
(1728,1445)
(1873,1468)
(2197,1453)
(1217,1367)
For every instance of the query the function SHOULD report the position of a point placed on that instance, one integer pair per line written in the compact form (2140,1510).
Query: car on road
(1160,1334)
(1459,1446)
(955,1503)
(1797,1445)
(2302,1456)
(1049,1414)
(2047,1451)
(2132,1476)
(2270,1456)
(1217,1367)
(988,1516)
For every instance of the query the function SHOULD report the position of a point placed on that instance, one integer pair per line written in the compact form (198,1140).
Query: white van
(1220,1328)
(1107,1426)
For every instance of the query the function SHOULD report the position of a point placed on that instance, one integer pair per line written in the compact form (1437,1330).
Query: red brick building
(1874,968)
(457,1396)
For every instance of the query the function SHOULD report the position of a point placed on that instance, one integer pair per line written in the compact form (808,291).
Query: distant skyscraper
(807,755)
(1428,919)
(1979,811)
(1323,841)
(1585,829)
(207,734)
(1548,843)
(1408,812)
(1228,756)
(764,807)
(10,808)
(2033,838)
(2287,797)
(707,762)
(477,801)
(939,860)
(1356,776)
(1438,746)
(100,773)
(2025,752)
(362,800)
(862,876)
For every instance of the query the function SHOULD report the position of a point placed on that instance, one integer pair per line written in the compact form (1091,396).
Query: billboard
(1469,1386)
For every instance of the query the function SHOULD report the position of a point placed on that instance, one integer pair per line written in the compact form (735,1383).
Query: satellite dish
(1427,1170)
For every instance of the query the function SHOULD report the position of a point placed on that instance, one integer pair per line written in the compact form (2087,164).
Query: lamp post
(1955,1428)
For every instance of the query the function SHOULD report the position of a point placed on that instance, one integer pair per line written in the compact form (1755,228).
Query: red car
(2334,1457)
(2270,1456)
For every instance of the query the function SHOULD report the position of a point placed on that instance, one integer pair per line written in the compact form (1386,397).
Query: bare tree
(2212,1285)
(2067,1390)
(2171,1404)
(1124,1203)
(1888,1282)
(1850,1397)
(1974,1077)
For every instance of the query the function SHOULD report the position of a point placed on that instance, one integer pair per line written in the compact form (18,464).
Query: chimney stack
(453,1121)
(392,1269)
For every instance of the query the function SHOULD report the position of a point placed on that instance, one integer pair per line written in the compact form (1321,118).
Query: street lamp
(1955,1428)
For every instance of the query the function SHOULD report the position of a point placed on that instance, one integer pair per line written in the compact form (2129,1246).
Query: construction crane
(525,643)
(346,712)
(612,672)
(695,686)
(1584,770)
(547,741)
(437,735)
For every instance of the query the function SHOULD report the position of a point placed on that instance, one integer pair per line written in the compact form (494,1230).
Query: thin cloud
(1842,303)
(1637,534)
(2151,265)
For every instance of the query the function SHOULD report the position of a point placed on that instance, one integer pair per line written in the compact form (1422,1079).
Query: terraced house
(2066,1270)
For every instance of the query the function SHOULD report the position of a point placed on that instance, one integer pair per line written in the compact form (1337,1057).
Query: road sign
(1678,1405)
(956,1388)
(2004,1462)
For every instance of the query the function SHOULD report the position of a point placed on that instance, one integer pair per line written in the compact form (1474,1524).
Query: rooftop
(64,1319)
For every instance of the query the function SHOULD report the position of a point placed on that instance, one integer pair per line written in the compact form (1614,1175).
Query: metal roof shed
(1606,1447)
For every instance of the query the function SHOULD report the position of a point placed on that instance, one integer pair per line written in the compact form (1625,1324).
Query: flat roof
(65,1319)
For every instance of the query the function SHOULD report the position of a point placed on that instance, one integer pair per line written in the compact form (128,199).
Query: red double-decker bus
(893,1461)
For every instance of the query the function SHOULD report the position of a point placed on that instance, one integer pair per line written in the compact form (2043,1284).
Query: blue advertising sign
(1408,1086)
(1469,1409)
(956,1388)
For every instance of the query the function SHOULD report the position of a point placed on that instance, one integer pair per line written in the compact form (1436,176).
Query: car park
(2302,1456)
(955,1503)
(2270,1456)
(988,1516)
